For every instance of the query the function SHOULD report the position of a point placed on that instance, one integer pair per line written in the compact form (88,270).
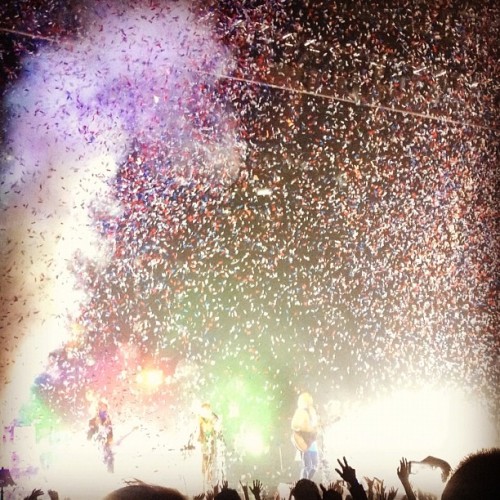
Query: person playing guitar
(100,430)
(304,434)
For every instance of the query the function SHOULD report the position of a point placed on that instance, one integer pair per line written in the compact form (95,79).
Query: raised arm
(348,474)
(404,476)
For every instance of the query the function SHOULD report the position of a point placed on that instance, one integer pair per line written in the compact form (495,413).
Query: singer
(209,434)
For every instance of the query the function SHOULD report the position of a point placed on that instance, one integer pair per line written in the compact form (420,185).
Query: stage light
(251,442)
(150,378)
(247,410)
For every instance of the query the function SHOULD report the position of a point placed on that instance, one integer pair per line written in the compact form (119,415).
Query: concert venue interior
(236,201)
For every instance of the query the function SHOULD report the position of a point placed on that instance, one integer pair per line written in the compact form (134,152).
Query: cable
(348,101)
(29,35)
(319,95)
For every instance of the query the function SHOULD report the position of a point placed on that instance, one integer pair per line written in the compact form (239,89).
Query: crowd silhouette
(475,478)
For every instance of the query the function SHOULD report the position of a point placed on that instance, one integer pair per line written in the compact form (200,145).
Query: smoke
(74,115)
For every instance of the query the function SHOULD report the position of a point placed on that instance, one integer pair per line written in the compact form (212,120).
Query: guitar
(118,442)
(302,440)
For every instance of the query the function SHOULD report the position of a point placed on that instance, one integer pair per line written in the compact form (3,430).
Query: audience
(145,491)
(256,490)
(477,477)
(226,493)
(306,489)
(348,474)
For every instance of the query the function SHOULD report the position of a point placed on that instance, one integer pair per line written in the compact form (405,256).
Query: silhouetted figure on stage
(209,436)
(101,431)
(304,425)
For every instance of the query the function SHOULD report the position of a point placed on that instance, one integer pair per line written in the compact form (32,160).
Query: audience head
(477,476)
(305,489)
(144,491)
(227,494)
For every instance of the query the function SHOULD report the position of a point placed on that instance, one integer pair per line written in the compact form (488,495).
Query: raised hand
(257,489)
(331,493)
(370,483)
(53,495)
(35,494)
(404,476)
(335,485)
(403,470)
(244,487)
(347,473)
(391,494)
(442,464)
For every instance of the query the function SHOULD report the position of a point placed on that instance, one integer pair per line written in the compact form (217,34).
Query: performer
(209,429)
(101,431)
(305,431)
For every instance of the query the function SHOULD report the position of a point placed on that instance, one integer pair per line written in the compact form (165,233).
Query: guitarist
(304,433)
(101,431)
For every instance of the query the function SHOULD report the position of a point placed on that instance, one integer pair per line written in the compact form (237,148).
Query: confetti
(236,192)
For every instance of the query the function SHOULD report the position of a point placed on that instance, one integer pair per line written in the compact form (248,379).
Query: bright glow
(151,378)
(139,453)
(251,442)
(413,424)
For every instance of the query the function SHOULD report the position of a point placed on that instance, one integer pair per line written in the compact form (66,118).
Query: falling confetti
(238,201)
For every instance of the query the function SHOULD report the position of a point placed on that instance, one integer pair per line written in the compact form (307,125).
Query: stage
(156,448)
